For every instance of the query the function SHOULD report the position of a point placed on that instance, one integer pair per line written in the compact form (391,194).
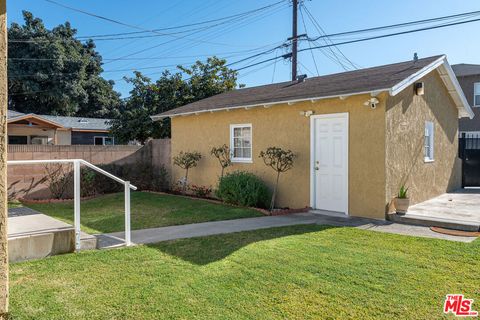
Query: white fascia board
(264,104)
(399,87)
(466,107)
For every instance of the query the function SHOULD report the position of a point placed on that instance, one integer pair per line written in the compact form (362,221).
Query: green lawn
(301,272)
(106,213)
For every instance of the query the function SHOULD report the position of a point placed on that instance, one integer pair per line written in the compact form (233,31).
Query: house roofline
(269,104)
(35,116)
(462,103)
(90,130)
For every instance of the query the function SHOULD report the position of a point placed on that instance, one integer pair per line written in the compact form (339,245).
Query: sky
(256,33)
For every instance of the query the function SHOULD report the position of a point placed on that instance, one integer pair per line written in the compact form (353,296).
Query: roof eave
(269,104)
(464,109)
(35,116)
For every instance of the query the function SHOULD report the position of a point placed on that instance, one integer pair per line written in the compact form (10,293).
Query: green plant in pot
(402,202)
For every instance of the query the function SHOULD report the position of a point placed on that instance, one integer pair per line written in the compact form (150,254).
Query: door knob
(317,168)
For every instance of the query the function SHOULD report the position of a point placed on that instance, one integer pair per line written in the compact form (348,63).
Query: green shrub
(244,189)
(144,176)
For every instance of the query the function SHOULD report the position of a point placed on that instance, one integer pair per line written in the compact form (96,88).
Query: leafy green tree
(172,90)
(50,72)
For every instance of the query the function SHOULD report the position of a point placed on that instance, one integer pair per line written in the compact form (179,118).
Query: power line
(327,39)
(365,39)
(232,53)
(346,42)
(122,36)
(309,43)
(190,24)
(399,25)
(130,25)
(176,48)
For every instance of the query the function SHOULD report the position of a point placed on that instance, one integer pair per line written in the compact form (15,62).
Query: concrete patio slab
(25,221)
(455,210)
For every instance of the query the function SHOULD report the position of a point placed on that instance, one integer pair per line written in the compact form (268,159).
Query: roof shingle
(351,82)
(70,122)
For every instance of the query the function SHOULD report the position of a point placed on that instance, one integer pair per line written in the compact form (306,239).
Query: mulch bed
(37,201)
(457,233)
(275,212)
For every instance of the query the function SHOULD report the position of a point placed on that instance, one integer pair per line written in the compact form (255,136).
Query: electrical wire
(173,49)
(367,39)
(130,25)
(309,43)
(327,39)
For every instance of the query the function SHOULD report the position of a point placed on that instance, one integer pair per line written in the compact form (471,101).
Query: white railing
(76,192)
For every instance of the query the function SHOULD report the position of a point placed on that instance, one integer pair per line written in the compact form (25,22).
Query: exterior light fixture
(419,88)
(372,103)
(307,113)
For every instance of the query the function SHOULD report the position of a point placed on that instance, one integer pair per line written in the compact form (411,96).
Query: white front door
(329,167)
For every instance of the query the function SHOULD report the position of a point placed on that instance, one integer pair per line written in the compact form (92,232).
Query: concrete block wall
(25,180)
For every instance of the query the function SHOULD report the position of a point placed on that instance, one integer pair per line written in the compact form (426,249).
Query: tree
(50,72)
(186,160)
(279,160)
(148,98)
(222,154)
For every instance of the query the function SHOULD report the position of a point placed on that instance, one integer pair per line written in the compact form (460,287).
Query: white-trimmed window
(476,94)
(103,141)
(429,141)
(241,142)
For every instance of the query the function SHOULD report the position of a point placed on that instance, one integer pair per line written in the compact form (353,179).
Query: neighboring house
(44,129)
(358,135)
(468,76)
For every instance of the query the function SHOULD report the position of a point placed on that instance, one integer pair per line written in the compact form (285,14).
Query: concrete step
(38,245)
(419,220)
(87,242)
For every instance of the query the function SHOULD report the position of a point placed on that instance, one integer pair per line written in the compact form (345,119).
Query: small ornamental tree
(58,177)
(279,160)
(186,160)
(223,155)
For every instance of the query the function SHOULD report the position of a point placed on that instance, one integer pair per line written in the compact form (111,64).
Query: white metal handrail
(76,192)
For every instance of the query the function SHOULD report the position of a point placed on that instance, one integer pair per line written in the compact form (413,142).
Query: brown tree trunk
(184,191)
(3,162)
(274,195)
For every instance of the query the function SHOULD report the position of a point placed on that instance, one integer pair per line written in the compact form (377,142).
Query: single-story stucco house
(57,130)
(358,135)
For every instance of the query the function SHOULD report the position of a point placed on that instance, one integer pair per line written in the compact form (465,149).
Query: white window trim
(241,160)
(475,94)
(431,157)
(103,140)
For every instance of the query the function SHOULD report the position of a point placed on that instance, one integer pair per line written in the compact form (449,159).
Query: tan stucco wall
(283,126)
(64,137)
(405,124)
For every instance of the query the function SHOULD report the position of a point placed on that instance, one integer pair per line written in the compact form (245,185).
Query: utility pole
(294,40)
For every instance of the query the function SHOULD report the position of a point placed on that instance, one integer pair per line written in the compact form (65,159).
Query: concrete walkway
(154,235)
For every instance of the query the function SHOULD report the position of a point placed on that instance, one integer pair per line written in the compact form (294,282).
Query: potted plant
(402,202)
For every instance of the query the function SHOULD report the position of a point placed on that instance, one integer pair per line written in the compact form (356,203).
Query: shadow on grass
(205,250)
